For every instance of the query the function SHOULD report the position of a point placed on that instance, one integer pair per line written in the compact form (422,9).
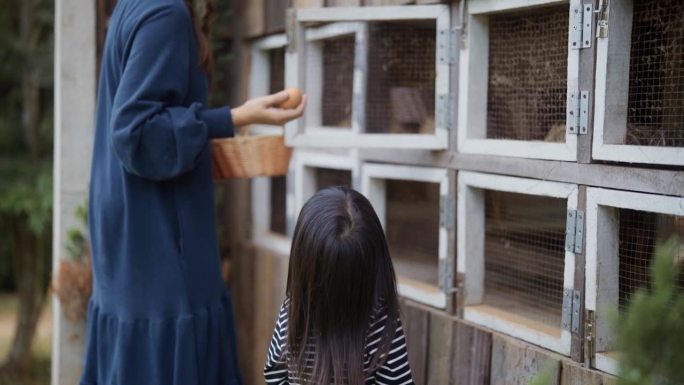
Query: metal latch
(446,212)
(581,17)
(574,231)
(578,112)
(571,310)
(446,275)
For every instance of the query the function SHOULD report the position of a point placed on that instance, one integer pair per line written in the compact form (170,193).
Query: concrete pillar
(75,85)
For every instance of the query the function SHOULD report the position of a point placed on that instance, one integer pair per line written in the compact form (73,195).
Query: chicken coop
(525,158)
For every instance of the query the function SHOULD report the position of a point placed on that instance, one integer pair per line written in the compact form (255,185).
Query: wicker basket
(249,156)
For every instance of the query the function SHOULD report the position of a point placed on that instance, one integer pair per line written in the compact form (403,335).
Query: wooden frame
(602,264)
(612,91)
(470,261)
(299,70)
(373,178)
(304,165)
(473,98)
(259,79)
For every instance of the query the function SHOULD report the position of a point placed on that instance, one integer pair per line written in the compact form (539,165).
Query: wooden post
(255,18)
(577,343)
(416,323)
(586,83)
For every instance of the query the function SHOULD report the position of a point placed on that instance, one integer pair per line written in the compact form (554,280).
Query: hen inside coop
(525,255)
(330,81)
(655,106)
(401,76)
(412,228)
(527,82)
(640,232)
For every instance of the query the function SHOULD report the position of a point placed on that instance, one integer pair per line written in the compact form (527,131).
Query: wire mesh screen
(401,78)
(278,220)
(525,255)
(412,228)
(655,115)
(326,177)
(640,233)
(528,60)
(277,70)
(338,81)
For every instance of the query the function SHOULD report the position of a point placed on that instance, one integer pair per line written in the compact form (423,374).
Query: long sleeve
(395,370)
(152,133)
(275,371)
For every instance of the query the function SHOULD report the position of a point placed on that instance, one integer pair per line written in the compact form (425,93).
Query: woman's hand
(265,110)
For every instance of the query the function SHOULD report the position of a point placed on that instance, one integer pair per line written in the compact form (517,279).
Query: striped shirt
(394,371)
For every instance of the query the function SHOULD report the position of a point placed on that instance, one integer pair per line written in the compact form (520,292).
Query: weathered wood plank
(667,182)
(343,3)
(388,2)
(586,83)
(439,353)
(275,15)
(254,15)
(416,323)
(452,305)
(242,287)
(577,342)
(517,363)
(574,374)
(309,3)
(471,355)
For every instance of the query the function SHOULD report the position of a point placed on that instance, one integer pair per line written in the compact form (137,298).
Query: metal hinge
(571,310)
(445,106)
(574,231)
(446,275)
(590,340)
(291,30)
(447,48)
(446,212)
(581,17)
(602,19)
(578,112)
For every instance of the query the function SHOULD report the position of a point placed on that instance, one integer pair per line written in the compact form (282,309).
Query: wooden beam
(255,21)
(574,374)
(440,348)
(517,363)
(275,15)
(471,355)
(343,3)
(388,2)
(586,83)
(577,339)
(415,318)
(309,3)
(657,181)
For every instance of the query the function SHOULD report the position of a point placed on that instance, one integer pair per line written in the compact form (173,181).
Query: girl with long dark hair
(159,312)
(340,321)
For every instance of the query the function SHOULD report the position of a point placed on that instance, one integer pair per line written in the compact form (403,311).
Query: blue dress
(159,312)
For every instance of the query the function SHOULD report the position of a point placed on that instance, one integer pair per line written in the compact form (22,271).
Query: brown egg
(294,100)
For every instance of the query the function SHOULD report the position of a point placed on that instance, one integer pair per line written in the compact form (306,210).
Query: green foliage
(651,331)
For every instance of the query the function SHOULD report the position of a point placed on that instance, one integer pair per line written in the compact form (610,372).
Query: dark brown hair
(340,272)
(202,20)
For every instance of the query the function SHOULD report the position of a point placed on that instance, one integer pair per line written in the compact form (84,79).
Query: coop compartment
(512,254)
(525,255)
(401,75)
(519,71)
(640,117)
(276,71)
(328,177)
(278,204)
(410,202)
(412,228)
(330,80)
(625,230)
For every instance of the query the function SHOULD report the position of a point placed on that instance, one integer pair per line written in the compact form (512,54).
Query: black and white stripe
(395,370)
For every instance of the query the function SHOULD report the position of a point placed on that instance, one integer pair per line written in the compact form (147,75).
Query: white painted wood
(307,132)
(270,42)
(470,252)
(414,12)
(606,363)
(519,330)
(489,6)
(602,255)
(612,90)
(373,177)
(304,165)
(473,85)
(74,94)
(329,31)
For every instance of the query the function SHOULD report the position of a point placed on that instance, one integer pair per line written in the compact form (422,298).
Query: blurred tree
(26,126)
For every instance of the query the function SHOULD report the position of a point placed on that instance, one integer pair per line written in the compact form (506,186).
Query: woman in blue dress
(159,312)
